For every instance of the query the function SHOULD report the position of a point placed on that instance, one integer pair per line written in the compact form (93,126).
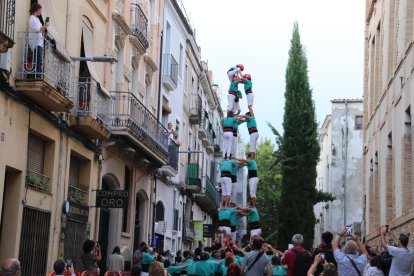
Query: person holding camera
(60,267)
(328,269)
(91,255)
(349,262)
(36,30)
(402,256)
(325,249)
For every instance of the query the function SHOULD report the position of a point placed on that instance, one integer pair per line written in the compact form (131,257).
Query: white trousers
(225,186)
(231,102)
(233,195)
(227,142)
(255,232)
(253,140)
(250,98)
(253,182)
(237,107)
(234,146)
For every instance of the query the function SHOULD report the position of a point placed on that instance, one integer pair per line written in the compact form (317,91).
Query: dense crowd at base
(343,255)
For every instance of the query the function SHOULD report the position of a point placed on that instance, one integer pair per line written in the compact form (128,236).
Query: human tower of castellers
(228,213)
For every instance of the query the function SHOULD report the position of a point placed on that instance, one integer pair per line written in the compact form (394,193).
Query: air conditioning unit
(5,61)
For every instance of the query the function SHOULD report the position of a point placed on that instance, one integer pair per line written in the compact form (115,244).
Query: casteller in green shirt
(253,216)
(247,85)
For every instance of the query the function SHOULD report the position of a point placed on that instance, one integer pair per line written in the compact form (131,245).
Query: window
(35,177)
(181,61)
(358,122)
(76,191)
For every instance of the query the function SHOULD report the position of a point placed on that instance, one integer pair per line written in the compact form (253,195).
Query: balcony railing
(7,14)
(211,191)
(218,140)
(37,181)
(170,68)
(193,175)
(195,109)
(205,124)
(131,115)
(45,63)
(90,101)
(189,228)
(78,194)
(173,149)
(139,25)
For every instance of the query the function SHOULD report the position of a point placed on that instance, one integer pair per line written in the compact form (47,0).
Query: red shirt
(289,259)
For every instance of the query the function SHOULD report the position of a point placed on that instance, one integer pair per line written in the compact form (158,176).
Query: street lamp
(96,59)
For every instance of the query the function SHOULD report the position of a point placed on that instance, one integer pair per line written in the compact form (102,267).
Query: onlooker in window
(36,43)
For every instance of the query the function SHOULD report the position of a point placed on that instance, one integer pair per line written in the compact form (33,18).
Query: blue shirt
(345,266)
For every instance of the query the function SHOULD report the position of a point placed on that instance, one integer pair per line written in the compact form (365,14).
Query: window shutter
(74,171)
(36,154)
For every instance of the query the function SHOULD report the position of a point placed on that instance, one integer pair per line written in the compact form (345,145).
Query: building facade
(388,90)
(339,168)
(74,125)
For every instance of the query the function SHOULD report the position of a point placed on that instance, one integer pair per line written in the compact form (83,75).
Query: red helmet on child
(240,66)
(247,76)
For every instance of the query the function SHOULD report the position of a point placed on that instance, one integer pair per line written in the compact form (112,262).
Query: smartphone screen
(47,19)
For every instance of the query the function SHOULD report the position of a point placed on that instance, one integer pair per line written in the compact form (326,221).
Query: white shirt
(35,35)
(116,262)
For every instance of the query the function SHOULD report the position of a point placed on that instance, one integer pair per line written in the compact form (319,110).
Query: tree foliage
(268,192)
(299,151)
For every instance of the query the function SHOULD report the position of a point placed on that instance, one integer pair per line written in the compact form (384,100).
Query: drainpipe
(154,200)
(159,78)
(346,159)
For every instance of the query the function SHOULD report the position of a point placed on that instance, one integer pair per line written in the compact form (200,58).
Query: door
(104,217)
(137,224)
(74,238)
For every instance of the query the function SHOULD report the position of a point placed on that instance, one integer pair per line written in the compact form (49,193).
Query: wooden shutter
(74,171)
(35,154)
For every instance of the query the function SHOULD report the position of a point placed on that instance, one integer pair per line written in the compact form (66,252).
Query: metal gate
(34,242)
(74,239)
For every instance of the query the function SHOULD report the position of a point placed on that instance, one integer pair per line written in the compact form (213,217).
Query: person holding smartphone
(60,267)
(36,41)
(91,255)
(325,248)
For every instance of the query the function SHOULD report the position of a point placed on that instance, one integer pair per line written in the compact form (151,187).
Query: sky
(257,34)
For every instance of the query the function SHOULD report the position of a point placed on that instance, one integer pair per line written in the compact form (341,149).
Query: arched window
(159,211)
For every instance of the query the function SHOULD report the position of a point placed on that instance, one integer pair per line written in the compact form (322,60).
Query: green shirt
(205,268)
(234,86)
(251,122)
(235,169)
(191,268)
(147,258)
(247,85)
(224,269)
(253,216)
(251,165)
(225,214)
(234,219)
(239,94)
(227,165)
(229,122)
(238,260)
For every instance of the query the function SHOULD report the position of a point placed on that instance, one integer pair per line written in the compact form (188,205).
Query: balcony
(78,194)
(44,76)
(92,109)
(132,120)
(38,182)
(169,72)
(7,13)
(139,25)
(171,169)
(195,109)
(193,178)
(189,229)
(218,142)
(206,134)
(209,199)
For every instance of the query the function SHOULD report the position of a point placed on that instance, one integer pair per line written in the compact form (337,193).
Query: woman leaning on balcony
(36,30)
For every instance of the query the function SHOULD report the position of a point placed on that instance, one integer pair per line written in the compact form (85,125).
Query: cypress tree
(299,151)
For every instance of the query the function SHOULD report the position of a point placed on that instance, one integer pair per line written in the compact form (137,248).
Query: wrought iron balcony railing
(195,109)
(37,181)
(90,101)
(139,25)
(170,68)
(173,149)
(45,63)
(78,194)
(211,191)
(130,114)
(7,14)
(206,125)
(218,140)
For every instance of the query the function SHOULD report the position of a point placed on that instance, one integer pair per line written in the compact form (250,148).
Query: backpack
(302,263)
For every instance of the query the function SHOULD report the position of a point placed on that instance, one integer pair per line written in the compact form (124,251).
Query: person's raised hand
(318,258)
(343,232)
(383,230)
(355,238)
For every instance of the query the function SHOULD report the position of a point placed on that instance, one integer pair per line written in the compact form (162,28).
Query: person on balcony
(36,43)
